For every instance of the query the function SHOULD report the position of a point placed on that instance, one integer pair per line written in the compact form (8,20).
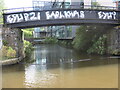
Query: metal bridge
(72,15)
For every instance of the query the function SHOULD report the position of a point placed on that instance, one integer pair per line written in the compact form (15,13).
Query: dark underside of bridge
(32,24)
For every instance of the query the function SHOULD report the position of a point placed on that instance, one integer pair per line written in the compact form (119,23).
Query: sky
(28,3)
(107,3)
(18,3)
(116,0)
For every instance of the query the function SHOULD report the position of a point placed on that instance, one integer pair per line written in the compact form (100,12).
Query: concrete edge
(11,61)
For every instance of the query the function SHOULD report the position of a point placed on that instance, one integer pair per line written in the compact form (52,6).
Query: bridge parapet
(41,8)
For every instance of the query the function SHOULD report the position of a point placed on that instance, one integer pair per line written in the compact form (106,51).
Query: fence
(40,8)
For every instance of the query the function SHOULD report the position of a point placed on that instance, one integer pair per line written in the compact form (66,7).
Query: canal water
(53,66)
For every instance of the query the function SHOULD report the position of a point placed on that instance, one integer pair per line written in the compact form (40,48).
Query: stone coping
(11,61)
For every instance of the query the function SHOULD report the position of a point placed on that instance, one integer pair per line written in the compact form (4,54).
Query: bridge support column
(114,42)
(14,39)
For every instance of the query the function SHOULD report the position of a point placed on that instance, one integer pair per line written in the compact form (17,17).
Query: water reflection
(39,76)
(58,67)
(54,54)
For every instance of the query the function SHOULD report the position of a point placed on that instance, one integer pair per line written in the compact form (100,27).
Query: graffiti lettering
(64,14)
(107,15)
(14,18)
(60,14)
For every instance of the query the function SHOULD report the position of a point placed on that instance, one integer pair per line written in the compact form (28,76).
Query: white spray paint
(70,14)
(64,14)
(107,15)
(14,18)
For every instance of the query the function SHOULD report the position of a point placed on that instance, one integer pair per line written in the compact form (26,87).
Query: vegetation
(8,52)
(1,7)
(28,33)
(50,40)
(98,46)
(95,4)
(114,52)
(27,48)
(65,43)
(5,43)
(91,39)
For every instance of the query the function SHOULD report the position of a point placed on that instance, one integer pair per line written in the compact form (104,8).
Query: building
(106,3)
(40,5)
(52,31)
(117,2)
(65,31)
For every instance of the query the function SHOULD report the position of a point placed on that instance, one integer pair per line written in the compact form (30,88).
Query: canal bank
(14,39)
(11,61)
(53,66)
(12,50)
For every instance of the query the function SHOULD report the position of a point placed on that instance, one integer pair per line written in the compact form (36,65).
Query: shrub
(28,47)
(91,39)
(83,38)
(4,51)
(98,46)
(8,52)
(28,33)
(50,40)
(5,43)
(11,53)
(115,52)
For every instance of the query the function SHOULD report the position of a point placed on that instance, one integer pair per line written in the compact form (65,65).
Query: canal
(53,66)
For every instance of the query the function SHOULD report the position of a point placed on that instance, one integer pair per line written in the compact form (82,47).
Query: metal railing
(22,9)
(40,8)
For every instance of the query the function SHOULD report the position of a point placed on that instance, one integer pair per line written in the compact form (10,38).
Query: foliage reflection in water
(53,66)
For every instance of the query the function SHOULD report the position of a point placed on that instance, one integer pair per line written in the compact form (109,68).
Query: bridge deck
(66,38)
(62,16)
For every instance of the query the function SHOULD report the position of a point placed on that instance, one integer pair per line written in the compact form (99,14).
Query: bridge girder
(55,17)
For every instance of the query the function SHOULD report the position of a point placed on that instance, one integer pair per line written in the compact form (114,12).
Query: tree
(91,39)
(2,5)
(95,5)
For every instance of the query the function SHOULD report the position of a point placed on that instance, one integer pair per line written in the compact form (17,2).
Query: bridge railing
(93,7)
(23,9)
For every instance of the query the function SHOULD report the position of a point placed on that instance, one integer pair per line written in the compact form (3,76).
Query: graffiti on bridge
(107,15)
(63,14)
(21,17)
